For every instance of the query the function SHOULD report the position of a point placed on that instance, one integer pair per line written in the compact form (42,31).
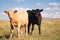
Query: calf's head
(38,12)
(10,13)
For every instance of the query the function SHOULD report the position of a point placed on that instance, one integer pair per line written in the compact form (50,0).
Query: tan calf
(19,19)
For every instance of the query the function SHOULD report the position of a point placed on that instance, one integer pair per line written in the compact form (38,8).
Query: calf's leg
(26,30)
(12,29)
(29,27)
(32,28)
(19,31)
(39,29)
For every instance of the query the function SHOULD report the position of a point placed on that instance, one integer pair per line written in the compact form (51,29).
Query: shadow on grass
(1,36)
(7,36)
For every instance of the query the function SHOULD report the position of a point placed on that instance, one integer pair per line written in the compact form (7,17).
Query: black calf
(34,18)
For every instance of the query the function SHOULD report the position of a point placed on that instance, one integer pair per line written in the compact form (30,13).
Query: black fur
(34,18)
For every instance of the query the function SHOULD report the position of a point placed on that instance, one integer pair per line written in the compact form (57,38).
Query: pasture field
(50,30)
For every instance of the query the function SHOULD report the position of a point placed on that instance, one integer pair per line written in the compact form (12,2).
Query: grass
(50,30)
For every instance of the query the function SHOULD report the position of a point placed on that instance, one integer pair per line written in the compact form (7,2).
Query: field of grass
(50,30)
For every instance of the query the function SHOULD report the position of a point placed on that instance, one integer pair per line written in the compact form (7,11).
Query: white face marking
(11,12)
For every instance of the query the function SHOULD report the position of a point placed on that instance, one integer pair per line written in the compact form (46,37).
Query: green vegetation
(50,30)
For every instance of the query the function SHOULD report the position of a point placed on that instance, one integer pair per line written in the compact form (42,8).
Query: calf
(18,19)
(34,18)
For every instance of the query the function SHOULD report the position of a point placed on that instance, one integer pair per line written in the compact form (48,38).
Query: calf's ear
(15,11)
(41,10)
(6,12)
(28,11)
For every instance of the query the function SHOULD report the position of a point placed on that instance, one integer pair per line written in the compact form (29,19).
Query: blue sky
(51,8)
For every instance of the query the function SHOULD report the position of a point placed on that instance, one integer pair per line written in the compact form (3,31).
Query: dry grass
(50,30)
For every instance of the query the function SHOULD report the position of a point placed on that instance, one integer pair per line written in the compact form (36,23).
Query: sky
(51,8)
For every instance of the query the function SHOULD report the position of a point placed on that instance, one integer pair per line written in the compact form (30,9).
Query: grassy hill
(50,30)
